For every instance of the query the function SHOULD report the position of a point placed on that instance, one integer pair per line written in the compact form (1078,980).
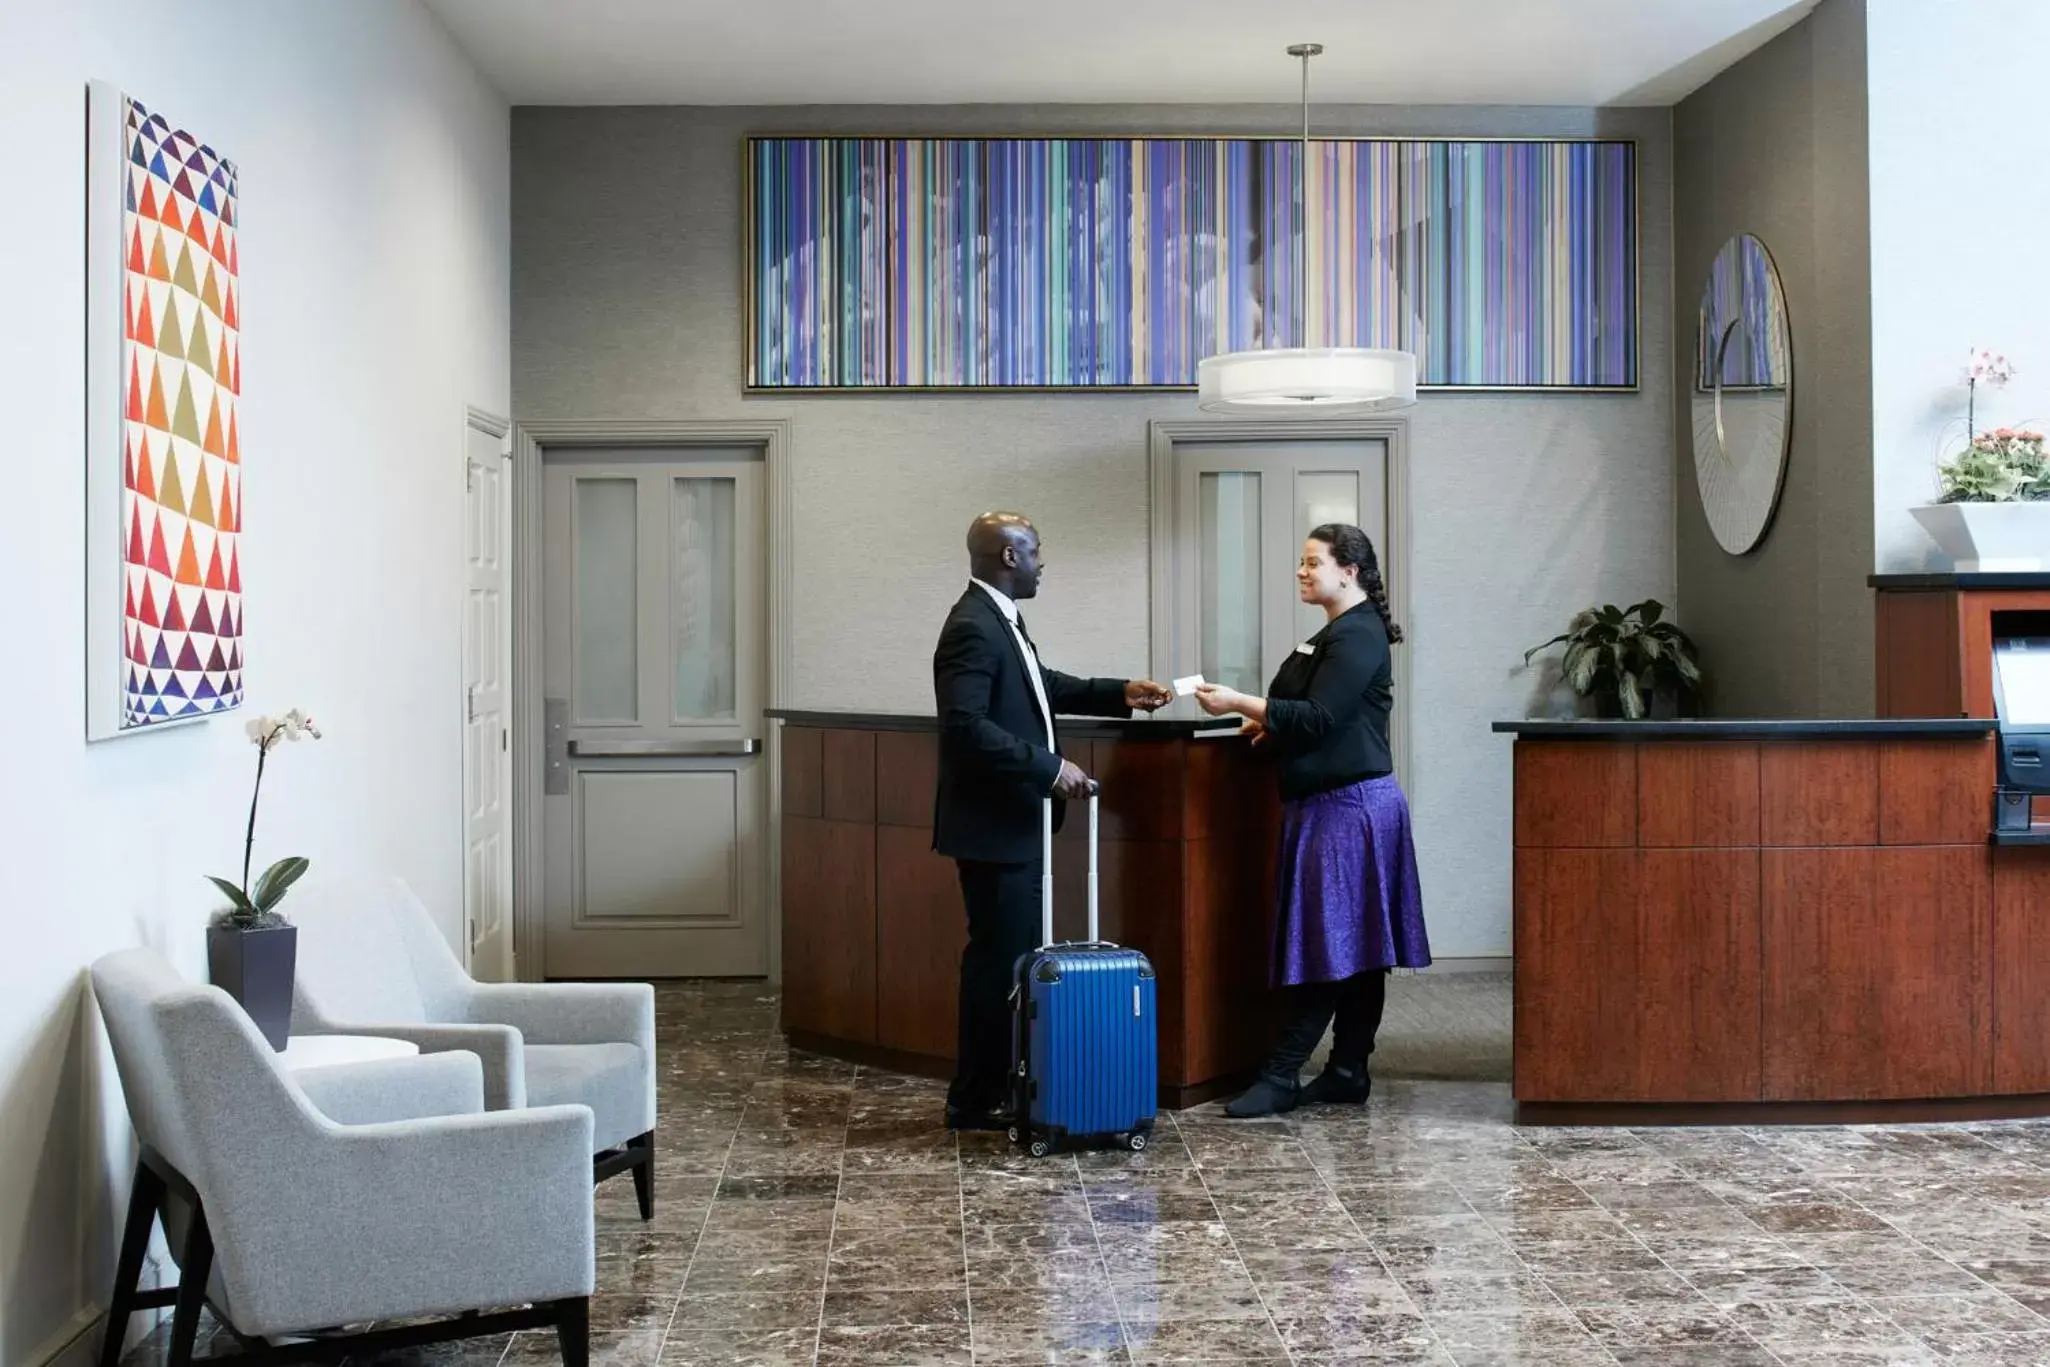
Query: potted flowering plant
(1993,504)
(251,950)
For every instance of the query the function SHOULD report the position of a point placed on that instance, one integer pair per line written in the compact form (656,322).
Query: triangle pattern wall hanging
(171,630)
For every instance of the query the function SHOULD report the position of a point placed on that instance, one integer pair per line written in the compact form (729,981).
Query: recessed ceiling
(810,52)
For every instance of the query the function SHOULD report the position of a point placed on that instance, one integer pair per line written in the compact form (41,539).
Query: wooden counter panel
(1697,795)
(1875,973)
(919,938)
(803,771)
(849,765)
(1698,1008)
(1228,907)
(1140,888)
(1142,788)
(1577,953)
(829,928)
(1819,793)
(1576,794)
(1207,782)
(1637,975)
(1228,792)
(907,777)
(1918,672)
(1935,792)
(2021,970)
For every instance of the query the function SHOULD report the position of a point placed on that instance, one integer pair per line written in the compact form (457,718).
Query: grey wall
(627,304)
(1775,146)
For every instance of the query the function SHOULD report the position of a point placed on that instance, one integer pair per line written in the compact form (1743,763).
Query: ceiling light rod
(1305,51)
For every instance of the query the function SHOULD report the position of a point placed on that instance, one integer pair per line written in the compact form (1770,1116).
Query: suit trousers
(1003,923)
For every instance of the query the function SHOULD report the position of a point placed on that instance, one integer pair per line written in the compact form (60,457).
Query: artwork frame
(164,509)
(1353,178)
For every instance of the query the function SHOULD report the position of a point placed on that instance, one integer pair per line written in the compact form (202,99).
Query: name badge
(1306,649)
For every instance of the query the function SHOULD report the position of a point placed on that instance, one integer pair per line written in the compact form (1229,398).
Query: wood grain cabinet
(1732,921)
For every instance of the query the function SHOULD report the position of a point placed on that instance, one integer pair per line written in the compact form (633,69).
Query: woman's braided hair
(1351,547)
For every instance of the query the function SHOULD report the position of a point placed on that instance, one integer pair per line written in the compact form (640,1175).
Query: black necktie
(1024,634)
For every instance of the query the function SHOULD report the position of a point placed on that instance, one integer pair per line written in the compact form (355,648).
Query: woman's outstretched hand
(1218,700)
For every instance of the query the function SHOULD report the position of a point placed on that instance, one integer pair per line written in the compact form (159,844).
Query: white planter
(1990,537)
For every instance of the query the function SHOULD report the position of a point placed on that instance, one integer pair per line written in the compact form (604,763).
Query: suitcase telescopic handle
(1046,868)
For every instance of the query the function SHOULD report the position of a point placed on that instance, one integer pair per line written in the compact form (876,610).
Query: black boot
(1277,1091)
(1340,1084)
(1344,1080)
(1267,1096)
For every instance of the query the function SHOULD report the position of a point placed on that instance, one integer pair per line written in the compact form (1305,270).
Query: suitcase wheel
(1040,1148)
(1014,1134)
(1136,1141)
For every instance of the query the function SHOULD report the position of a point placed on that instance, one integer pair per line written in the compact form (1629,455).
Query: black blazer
(995,769)
(1327,709)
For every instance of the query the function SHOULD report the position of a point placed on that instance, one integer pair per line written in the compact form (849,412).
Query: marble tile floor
(812,1212)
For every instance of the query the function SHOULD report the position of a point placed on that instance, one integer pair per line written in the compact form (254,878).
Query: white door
(1243,510)
(487,665)
(654,581)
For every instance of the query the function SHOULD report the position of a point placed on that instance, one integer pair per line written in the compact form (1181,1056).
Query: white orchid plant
(256,908)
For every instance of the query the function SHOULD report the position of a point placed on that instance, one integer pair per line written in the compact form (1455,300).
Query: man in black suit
(999,760)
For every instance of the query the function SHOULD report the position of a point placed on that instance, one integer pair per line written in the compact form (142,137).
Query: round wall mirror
(1743,393)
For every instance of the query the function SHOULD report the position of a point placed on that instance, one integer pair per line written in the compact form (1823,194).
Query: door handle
(646,749)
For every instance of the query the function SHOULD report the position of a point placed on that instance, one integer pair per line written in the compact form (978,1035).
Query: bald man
(999,760)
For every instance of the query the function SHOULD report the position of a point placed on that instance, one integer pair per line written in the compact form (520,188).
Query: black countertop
(1738,728)
(1952,580)
(1079,728)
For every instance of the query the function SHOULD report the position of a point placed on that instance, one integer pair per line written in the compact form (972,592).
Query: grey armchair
(372,963)
(290,1224)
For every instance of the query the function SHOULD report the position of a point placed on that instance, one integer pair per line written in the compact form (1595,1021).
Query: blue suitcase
(1084,1033)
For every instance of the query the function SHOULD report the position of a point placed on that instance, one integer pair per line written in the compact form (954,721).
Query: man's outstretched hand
(1147,696)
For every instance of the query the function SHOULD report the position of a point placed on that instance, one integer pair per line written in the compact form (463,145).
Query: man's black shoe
(962,1118)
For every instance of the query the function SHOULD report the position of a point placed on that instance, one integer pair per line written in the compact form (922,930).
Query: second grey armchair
(372,963)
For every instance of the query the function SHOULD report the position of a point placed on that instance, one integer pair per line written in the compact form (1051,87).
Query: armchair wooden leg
(195,1270)
(644,1173)
(143,1199)
(573,1331)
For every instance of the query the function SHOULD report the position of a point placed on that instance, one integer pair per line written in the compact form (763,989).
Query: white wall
(375,270)
(1960,149)
(1526,507)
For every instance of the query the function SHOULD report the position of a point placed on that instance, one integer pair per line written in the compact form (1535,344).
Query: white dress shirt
(1010,611)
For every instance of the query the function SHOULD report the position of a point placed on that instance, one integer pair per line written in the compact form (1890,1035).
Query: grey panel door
(655,665)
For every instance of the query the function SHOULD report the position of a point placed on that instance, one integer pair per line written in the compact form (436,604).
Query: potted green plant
(1992,510)
(1630,660)
(252,952)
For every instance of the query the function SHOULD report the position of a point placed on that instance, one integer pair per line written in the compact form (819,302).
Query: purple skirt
(1348,898)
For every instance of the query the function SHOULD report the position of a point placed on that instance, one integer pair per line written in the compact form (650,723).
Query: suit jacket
(995,769)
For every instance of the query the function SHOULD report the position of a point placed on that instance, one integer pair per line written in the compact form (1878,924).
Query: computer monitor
(2021,701)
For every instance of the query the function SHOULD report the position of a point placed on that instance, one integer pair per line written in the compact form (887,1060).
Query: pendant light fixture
(1306,381)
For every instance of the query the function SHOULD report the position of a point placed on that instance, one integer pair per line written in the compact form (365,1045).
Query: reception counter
(872,921)
(1758,922)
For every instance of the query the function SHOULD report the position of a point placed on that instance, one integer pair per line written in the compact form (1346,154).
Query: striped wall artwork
(1119,263)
